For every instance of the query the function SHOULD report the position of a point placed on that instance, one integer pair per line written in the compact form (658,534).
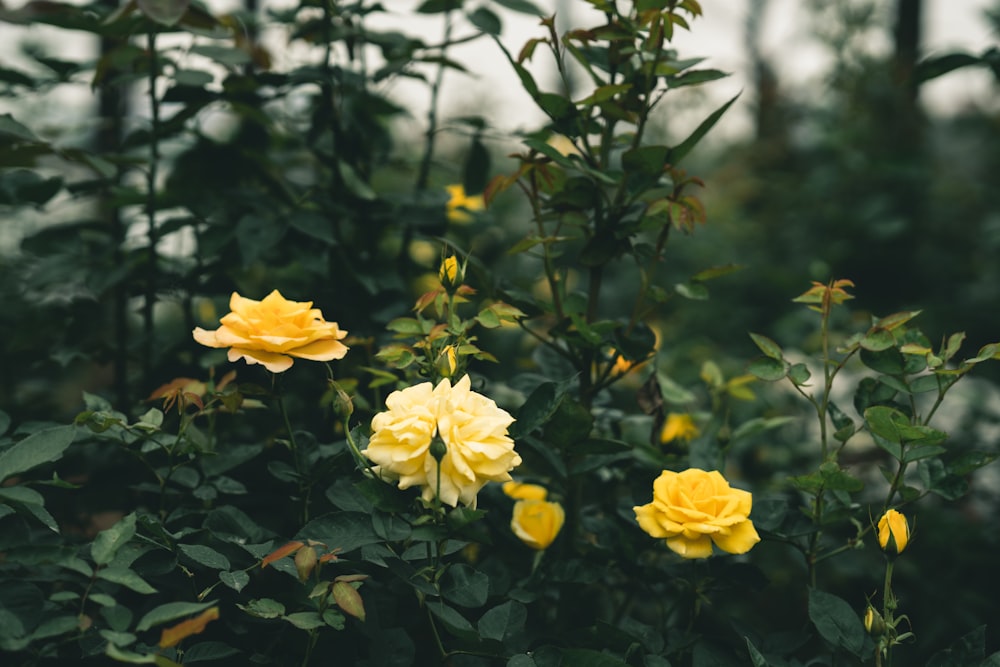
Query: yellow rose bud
(679,427)
(273,331)
(537,522)
(447,362)
(522,491)
(893,532)
(451,272)
(874,623)
(694,509)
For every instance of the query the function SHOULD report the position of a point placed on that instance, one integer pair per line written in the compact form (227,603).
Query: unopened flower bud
(438,449)
(447,362)
(874,623)
(305,562)
(340,401)
(893,532)
(451,273)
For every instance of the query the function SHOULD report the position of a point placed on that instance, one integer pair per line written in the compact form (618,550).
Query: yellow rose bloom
(272,331)
(893,525)
(522,491)
(537,522)
(460,204)
(471,427)
(693,509)
(679,427)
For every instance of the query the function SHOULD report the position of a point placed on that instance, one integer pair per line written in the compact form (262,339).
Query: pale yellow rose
(679,427)
(693,509)
(523,491)
(272,331)
(537,522)
(893,525)
(473,430)
(459,204)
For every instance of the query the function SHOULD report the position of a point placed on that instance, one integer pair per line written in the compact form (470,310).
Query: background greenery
(244,168)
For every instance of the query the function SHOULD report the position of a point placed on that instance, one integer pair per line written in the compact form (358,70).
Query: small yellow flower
(679,426)
(537,522)
(447,362)
(523,491)
(273,331)
(459,205)
(893,532)
(693,509)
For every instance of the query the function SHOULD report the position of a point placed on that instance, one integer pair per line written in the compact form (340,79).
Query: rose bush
(272,331)
(693,509)
(472,428)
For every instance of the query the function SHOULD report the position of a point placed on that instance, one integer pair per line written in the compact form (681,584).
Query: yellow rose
(460,204)
(537,522)
(522,491)
(694,508)
(893,525)
(272,331)
(471,427)
(678,427)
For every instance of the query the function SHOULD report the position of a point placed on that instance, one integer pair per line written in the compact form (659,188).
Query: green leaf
(170,611)
(678,152)
(204,555)
(206,651)
(344,530)
(21,605)
(454,620)
(933,67)
(125,577)
(836,621)
(522,6)
(38,448)
(306,620)
(968,650)
(536,409)
(503,621)
(164,12)
(767,346)
(108,542)
(694,291)
(755,656)
(485,20)
(10,128)
(237,580)
(263,608)
(694,77)
(768,368)
(465,586)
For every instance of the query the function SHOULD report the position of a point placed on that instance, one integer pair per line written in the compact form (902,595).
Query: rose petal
(276,363)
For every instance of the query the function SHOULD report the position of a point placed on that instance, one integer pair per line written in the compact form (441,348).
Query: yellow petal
(740,538)
(320,350)
(700,547)
(276,363)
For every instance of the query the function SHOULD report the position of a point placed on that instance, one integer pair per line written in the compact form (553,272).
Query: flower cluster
(273,331)
(693,509)
(447,439)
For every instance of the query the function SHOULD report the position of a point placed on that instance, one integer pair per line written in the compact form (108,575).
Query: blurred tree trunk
(770,121)
(112,109)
